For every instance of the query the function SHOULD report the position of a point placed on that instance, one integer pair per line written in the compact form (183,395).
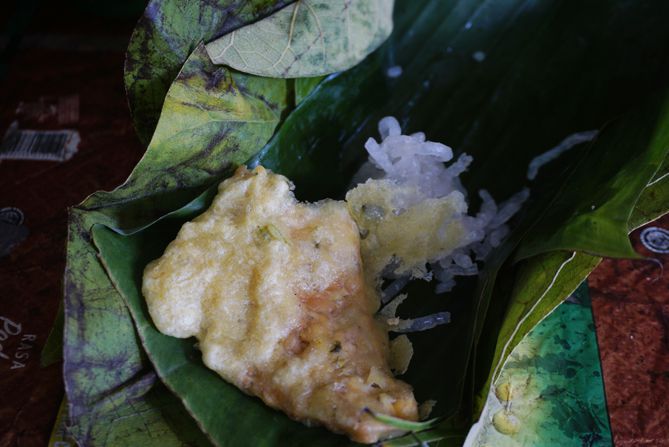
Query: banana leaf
(650,205)
(503,80)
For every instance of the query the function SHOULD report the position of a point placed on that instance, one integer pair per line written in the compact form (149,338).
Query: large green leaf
(653,199)
(214,119)
(646,131)
(308,38)
(542,281)
(226,414)
(493,109)
(210,113)
(107,378)
(592,211)
(167,32)
(542,71)
(89,347)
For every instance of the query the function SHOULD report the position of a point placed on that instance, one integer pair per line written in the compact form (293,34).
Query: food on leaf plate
(284,296)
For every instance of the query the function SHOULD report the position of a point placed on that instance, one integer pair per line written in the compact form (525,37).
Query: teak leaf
(213,120)
(307,38)
(165,35)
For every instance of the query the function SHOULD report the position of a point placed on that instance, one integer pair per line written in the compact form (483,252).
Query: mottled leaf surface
(307,38)
(550,391)
(108,379)
(213,120)
(210,113)
(165,35)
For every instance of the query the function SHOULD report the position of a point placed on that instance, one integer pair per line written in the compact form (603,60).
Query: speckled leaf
(213,120)
(165,35)
(550,391)
(108,379)
(307,38)
(210,113)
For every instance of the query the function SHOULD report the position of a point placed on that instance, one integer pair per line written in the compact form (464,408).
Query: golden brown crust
(274,291)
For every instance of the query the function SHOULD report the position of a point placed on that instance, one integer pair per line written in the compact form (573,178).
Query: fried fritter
(274,291)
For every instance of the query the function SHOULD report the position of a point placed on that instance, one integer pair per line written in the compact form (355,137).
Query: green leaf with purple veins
(307,38)
(165,35)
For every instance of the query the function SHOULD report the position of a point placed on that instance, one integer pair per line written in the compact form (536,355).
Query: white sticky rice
(408,171)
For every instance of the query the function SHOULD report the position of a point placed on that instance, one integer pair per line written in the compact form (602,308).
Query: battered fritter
(274,291)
